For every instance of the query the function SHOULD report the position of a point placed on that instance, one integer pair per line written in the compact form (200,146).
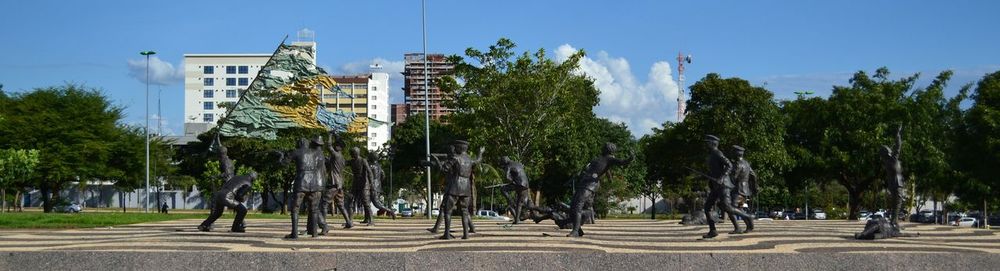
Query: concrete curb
(188,261)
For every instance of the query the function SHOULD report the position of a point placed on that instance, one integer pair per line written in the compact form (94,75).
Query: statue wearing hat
(334,194)
(720,187)
(583,197)
(310,170)
(361,185)
(458,176)
(744,178)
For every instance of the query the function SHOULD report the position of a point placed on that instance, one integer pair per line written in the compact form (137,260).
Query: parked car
(435,212)
(863,215)
(964,222)
(68,208)
(406,212)
(491,215)
(777,214)
(818,214)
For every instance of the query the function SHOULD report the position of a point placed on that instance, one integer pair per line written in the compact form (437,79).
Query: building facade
(213,79)
(370,94)
(414,79)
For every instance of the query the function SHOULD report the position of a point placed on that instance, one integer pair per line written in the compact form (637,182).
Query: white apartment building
(370,94)
(212,79)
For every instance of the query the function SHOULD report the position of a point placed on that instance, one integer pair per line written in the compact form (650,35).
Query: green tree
(71,126)
(735,111)
(521,105)
(15,168)
(126,166)
(978,141)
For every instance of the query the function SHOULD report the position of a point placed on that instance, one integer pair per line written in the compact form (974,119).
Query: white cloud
(640,105)
(160,72)
(393,68)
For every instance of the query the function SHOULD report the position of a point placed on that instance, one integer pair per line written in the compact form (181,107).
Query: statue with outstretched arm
(334,194)
(894,181)
(583,197)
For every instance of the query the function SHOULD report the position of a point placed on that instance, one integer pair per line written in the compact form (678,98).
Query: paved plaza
(408,235)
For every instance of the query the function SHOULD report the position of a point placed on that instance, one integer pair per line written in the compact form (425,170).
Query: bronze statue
(744,178)
(444,202)
(310,168)
(894,178)
(458,172)
(719,190)
(377,174)
(517,185)
(361,185)
(334,194)
(558,212)
(232,194)
(583,198)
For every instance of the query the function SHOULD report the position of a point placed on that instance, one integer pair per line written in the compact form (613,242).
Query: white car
(964,222)
(73,208)
(491,215)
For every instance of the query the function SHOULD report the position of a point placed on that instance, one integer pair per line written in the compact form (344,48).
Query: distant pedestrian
(164,208)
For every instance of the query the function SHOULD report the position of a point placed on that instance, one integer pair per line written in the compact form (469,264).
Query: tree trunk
(46,200)
(854,202)
(3,191)
(652,213)
(18,201)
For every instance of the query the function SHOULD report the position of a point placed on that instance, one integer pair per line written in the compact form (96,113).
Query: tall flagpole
(427,114)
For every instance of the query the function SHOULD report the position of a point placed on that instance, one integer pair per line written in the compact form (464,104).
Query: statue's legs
(711,201)
(463,203)
(378,204)
(366,205)
(241,212)
(446,212)
(441,214)
(312,199)
(218,207)
(896,196)
(731,210)
(337,195)
(519,204)
(293,208)
(580,198)
(324,204)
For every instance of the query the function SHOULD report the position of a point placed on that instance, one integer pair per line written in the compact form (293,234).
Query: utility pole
(147,54)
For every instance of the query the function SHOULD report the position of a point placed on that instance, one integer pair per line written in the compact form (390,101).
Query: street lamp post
(147,54)
(427,111)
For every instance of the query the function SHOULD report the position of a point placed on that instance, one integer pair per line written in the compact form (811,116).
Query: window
(374,116)
(230,69)
(374,106)
(244,81)
(230,81)
(244,70)
(374,135)
(374,98)
(374,88)
(209,117)
(230,93)
(208,105)
(208,93)
(209,69)
(209,82)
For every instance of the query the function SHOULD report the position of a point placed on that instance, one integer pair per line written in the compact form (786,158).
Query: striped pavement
(409,235)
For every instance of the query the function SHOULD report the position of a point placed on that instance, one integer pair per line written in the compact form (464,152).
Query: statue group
(319,185)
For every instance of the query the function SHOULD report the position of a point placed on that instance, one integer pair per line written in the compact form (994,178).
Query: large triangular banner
(286,94)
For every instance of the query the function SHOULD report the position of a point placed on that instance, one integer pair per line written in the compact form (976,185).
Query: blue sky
(783,45)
